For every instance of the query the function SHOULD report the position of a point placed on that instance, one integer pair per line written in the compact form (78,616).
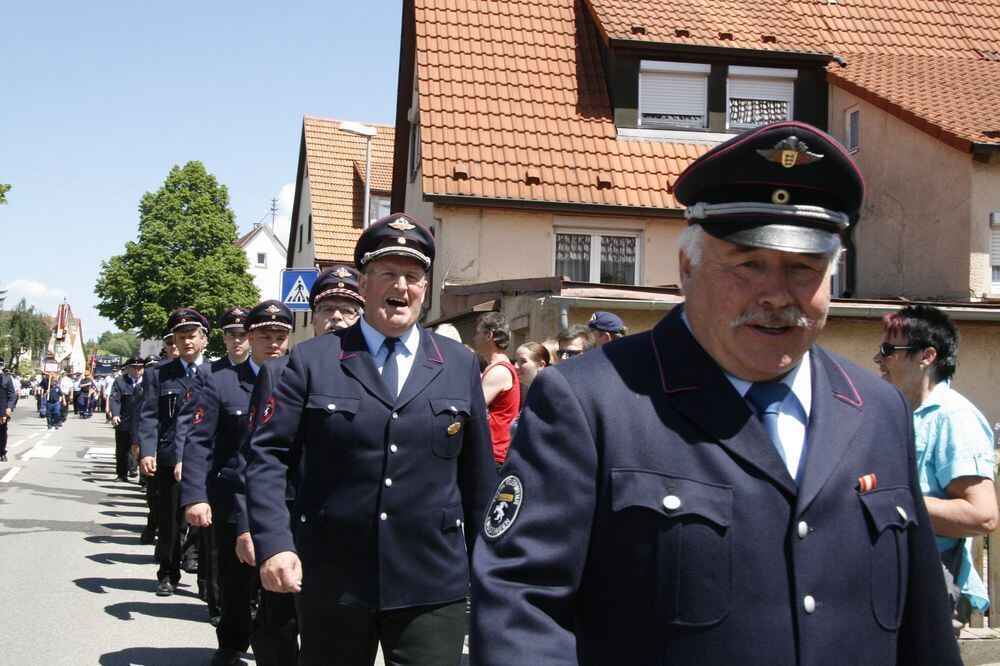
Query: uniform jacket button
(393,448)
(302,519)
(383,516)
(458,522)
(388,482)
(671,502)
(803,529)
(331,406)
(902,512)
(395,415)
(808,603)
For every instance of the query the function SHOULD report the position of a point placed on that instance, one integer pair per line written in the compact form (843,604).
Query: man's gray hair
(692,242)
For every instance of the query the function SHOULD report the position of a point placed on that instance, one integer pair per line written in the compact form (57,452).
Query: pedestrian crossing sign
(295,286)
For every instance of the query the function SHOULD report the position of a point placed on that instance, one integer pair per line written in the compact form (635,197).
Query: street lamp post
(368,132)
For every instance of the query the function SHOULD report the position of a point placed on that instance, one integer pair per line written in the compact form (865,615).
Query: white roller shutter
(671,99)
(755,101)
(995,258)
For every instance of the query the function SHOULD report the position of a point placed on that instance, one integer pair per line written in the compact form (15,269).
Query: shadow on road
(125,514)
(156,656)
(124,527)
(102,585)
(123,558)
(163,609)
(129,540)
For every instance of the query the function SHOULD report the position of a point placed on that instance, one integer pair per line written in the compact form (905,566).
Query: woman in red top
(500,384)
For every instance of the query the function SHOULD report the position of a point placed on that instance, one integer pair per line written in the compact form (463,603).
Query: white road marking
(22,441)
(99,453)
(9,476)
(40,451)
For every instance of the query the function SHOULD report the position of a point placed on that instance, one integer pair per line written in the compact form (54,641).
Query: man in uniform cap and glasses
(212,488)
(335,299)
(720,489)
(379,553)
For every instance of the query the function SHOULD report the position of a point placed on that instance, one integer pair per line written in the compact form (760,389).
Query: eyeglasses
(568,353)
(347,311)
(887,349)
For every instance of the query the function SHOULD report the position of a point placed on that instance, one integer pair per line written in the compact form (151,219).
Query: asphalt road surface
(76,586)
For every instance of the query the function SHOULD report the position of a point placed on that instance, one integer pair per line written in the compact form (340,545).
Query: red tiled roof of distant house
(331,155)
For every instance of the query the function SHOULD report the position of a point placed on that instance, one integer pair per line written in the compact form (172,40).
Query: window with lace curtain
(597,257)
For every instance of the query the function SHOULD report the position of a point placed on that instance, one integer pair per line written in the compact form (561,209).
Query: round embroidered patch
(268,412)
(506,504)
(199,416)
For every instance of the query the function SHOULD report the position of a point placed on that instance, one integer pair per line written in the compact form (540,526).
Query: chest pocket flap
(890,507)
(449,421)
(671,496)
(332,404)
(454,406)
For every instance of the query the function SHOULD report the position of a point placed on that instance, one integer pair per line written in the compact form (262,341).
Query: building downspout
(850,280)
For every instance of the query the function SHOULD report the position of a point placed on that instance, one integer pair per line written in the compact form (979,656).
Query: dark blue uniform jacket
(657,524)
(212,463)
(384,487)
(123,400)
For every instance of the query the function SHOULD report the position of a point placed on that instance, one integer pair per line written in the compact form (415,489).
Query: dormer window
(673,95)
(759,95)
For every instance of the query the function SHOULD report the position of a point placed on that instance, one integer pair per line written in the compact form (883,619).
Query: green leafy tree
(23,330)
(184,257)
(122,343)
(4,189)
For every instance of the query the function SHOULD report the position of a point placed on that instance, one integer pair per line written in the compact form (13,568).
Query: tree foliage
(184,257)
(122,343)
(23,330)
(4,189)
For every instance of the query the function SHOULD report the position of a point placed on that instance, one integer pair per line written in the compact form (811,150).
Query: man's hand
(282,573)
(115,420)
(244,549)
(134,450)
(148,466)
(177,472)
(200,515)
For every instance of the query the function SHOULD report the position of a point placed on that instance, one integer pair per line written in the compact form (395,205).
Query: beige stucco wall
(304,259)
(914,237)
(985,199)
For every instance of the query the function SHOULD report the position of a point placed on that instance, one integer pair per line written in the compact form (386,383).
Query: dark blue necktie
(192,370)
(766,397)
(390,369)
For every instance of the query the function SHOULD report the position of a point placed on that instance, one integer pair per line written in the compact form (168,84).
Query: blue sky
(98,100)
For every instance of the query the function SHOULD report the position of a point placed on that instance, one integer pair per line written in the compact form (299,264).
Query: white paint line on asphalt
(22,441)
(40,451)
(9,476)
(100,453)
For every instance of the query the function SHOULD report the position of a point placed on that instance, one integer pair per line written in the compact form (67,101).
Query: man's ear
(928,356)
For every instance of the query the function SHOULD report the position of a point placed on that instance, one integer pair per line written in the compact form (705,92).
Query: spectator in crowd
(574,340)
(529,359)
(606,327)
(54,403)
(500,383)
(66,385)
(449,331)
(552,347)
(954,444)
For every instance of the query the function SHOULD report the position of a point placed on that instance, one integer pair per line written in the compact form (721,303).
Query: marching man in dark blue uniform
(720,490)
(166,387)
(121,403)
(212,486)
(396,455)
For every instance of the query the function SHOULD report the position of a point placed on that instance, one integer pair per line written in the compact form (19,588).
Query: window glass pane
(573,256)
(618,259)
(379,208)
(853,130)
(261,259)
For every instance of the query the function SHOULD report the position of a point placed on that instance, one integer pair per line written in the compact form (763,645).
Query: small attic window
(759,95)
(852,129)
(673,94)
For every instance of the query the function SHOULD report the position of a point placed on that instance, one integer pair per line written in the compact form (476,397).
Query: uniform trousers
(416,635)
(208,569)
(3,437)
(168,543)
(122,444)
(275,630)
(237,584)
(152,493)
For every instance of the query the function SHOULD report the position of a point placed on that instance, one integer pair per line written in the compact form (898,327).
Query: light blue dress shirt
(406,350)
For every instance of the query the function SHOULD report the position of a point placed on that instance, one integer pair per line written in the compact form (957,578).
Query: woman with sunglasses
(954,443)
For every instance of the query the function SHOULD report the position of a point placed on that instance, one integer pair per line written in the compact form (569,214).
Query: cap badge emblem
(790,152)
(402,225)
(272,308)
(342,273)
(401,240)
(340,285)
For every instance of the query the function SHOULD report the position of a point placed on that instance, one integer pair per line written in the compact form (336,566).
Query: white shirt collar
(374,339)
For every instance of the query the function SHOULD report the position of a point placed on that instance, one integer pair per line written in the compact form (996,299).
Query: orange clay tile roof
(381,175)
(336,191)
(514,105)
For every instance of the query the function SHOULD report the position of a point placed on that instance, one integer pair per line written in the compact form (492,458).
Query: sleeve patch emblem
(199,416)
(268,412)
(506,504)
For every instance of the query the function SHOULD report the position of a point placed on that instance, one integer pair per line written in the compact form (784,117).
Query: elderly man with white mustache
(721,489)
